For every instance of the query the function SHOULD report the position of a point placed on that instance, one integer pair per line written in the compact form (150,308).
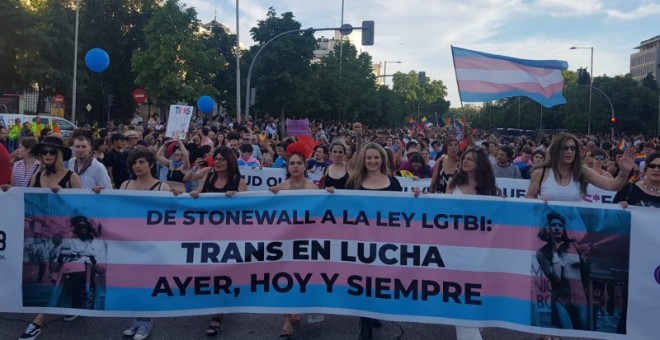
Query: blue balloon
(205,104)
(97,60)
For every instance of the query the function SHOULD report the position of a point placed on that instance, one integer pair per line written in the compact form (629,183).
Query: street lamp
(591,82)
(238,72)
(385,69)
(75,66)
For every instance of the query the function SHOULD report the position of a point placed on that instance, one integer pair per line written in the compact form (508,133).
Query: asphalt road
(238,326)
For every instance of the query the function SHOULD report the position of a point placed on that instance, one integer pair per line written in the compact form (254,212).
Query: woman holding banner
(54,175)
(225,177)
(142,166)
(562,177)
(336,174)
(474,177)
(296,170)
(372,172)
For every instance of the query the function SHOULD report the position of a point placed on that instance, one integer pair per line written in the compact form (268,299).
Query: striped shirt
(20,176)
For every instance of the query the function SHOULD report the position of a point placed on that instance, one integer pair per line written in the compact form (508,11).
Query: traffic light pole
(612,118)
(249,75)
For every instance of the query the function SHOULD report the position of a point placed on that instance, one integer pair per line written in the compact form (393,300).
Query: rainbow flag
(423,120)
(622,144)
(461,122)
(448,121)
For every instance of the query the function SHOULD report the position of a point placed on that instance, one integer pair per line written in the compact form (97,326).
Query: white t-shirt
(95,176)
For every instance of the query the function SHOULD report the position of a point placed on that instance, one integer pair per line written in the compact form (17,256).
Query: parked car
(66,127)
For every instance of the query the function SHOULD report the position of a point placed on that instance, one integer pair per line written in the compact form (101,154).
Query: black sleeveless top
(232,184)
(158,184)
(337,183)
(394,186)
(175,176)
(65,182)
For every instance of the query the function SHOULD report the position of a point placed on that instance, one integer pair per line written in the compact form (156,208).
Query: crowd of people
(138,156)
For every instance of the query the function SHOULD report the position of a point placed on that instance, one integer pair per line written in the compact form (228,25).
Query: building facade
(647,60)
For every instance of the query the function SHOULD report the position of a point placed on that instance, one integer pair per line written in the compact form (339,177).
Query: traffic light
(368,33)
(583,77)
(613,120)
(111,100)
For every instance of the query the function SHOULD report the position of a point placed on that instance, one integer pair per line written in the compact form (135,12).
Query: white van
(66,127)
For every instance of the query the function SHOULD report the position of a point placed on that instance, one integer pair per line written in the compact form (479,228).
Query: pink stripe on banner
(501,236)
(488,87)
(146,276)
(492,64)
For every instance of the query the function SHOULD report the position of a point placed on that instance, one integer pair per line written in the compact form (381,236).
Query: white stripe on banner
(510,261)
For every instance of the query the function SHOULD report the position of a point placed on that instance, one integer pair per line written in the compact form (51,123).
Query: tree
(14,19)
(176,66)
(420,99)
(116,26)
(46,58)
(650,82)
(282,72)
(222,44)
(345,87)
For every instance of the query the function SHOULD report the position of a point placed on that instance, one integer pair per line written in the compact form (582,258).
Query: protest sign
(178,121)
(297,127)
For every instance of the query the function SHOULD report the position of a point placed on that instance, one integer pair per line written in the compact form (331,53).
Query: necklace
(294,186)
(650,188)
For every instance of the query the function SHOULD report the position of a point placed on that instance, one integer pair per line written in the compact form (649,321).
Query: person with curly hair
(295,180)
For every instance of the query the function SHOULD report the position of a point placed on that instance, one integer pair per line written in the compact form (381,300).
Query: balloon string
(106,108)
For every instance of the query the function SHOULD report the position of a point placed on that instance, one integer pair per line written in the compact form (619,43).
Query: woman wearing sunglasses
(599,159)
(52,154)
(562,177)
(645,192)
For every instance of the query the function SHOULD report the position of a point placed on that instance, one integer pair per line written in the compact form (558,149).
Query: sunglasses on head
(599,158)
(653,166)
(46,152)
(568,147)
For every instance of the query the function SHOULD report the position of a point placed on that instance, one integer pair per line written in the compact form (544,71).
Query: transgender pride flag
(485,77)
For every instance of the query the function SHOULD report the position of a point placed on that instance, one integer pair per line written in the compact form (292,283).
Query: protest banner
(471,261)
(178,121)
(262,179)
(297,127)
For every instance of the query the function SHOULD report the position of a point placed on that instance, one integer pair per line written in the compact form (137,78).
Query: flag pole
(453,60)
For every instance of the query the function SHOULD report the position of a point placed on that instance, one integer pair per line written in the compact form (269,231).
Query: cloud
(645,10)
(572,8)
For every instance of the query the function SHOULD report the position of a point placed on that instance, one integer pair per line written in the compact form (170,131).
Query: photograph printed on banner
(580,270)
(64,258)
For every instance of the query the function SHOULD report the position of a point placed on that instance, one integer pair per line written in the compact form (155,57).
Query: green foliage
(14,19)
(47,58)
(420,100)
(635,106)
(222,45)
(176,66)
(116,26)
(282,72)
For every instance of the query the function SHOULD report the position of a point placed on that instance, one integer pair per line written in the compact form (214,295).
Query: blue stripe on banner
(507,213)
(553,64)
(555,99)
(492,308)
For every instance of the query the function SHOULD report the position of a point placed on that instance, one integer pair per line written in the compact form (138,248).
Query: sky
(420,33)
